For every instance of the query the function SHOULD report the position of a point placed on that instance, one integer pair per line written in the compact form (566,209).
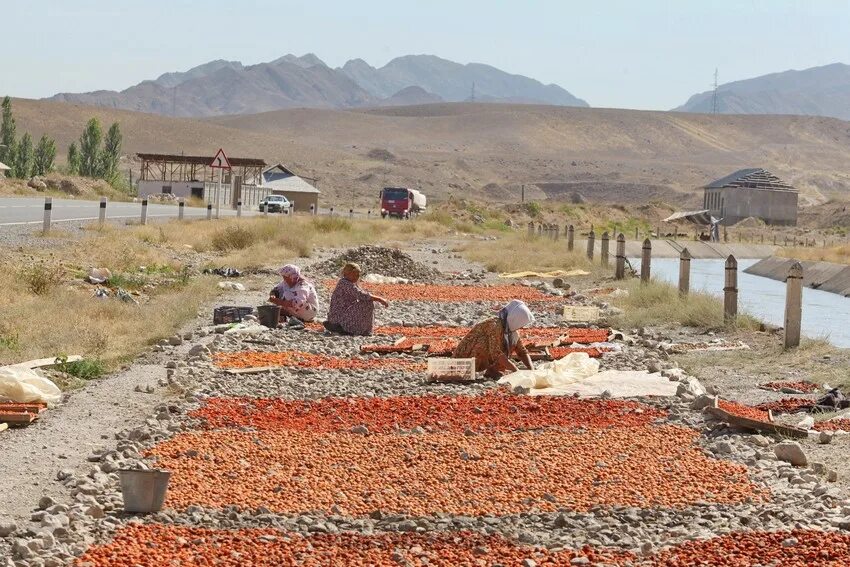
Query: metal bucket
(143,491)
(269,315)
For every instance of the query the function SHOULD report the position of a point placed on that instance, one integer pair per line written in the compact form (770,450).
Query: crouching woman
(492,342)
(352,309)
(295,295)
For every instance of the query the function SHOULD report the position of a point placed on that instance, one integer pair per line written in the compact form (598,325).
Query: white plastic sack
(572,368)
(380,279)
(23,385)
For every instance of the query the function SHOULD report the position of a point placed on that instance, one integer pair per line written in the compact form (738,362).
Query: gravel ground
(66,497)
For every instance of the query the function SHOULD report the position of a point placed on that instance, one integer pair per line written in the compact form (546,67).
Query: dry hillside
(488,150)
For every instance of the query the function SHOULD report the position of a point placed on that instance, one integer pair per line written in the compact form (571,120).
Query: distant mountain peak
(228,87)
(817,91)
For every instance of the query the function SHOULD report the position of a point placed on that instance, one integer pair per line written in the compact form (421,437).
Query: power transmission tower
(714,94)
(472,96)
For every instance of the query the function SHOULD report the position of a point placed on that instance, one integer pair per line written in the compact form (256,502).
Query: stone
(7,528)
(825,437)
(529,563)
(791,452)
(789,542)
(690,388)
(703,401)
(760,441)
(175,340)
(37,184)
(360,430)
(831,475)
(45,502)
(199,350)
(806,423)
(580,561)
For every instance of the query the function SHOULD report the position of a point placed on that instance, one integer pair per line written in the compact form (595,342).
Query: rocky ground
(406,472)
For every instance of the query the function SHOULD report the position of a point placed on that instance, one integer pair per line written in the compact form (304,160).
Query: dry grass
(660,302)
(46,314)
(807,362)
(516,251)
(835,254)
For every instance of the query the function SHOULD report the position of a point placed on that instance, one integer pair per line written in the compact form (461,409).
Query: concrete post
(540,229)
(620,261)
(603,254)
(209,211)
(239,208)
(368,215)
(332,211)
(636,234)
(144,211)
(312,210)
(351,213)
(774,240)
(591,243)
(557,232)
(645,261)
(101,216)
(531,229)
(793,305)
(684,272)
(181,206)
(48,211)
(730,291)
(571,234)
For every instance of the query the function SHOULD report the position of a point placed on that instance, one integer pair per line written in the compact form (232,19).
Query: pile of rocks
(377,260)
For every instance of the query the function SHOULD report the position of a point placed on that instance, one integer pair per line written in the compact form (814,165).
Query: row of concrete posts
(794,282)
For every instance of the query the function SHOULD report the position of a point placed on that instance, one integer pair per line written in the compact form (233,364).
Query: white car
(275,204)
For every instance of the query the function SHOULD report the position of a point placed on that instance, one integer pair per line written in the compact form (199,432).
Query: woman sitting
(492,342)
(352,310)
(295,295)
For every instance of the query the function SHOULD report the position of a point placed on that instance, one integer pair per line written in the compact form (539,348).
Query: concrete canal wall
(824,276)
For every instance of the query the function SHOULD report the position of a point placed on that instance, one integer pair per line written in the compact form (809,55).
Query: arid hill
(490,150)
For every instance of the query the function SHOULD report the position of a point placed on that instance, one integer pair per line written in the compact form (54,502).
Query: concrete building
(751,192)
(192,176)
(282,181)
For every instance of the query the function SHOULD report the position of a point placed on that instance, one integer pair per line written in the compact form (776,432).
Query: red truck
(401,202)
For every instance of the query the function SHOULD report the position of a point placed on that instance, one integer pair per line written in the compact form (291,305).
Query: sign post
(219,162)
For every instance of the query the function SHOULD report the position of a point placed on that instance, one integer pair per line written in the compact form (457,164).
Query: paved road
(28,210)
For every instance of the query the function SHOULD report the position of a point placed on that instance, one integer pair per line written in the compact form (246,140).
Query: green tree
(45,156)
(73,159)
(111,154)
(90,149)
(7,133)
(24,158)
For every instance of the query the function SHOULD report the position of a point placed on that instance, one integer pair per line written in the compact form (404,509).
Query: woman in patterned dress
(295,295)
(352,310)
(492,342)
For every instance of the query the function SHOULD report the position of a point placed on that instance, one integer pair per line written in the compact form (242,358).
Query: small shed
(282,181)
(752,192)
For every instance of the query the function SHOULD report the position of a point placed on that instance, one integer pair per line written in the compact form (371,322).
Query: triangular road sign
(220,160)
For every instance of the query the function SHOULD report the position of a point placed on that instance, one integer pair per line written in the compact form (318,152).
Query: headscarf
(290,271)
(514,316)
(349,268)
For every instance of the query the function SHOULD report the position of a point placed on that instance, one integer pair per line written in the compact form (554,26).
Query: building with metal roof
(751,192)
(282,181)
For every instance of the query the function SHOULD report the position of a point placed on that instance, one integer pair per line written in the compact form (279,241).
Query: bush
(41,278)
(232,238)
(85,369)
(332,224)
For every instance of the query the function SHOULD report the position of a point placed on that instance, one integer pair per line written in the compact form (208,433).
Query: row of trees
(23,159)
(90,159)
(94,156)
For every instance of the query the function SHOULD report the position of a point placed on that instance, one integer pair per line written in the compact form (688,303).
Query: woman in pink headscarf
(295,295)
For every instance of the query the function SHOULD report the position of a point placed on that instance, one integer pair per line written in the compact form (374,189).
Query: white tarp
(577,373)
(22,385)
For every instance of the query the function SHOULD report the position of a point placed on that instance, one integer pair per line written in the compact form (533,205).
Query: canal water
(825,315)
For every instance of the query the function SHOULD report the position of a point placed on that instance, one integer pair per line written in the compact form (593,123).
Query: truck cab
(401,202)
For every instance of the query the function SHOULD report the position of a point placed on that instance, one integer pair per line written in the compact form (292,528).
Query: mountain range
(228,87)
(818,91)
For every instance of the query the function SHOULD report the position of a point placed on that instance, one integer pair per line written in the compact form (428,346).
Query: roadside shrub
(85,369)
(40,279)
(232,238)
(332,224)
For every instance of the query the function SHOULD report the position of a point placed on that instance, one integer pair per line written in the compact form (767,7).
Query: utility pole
(714,94)
(472,96)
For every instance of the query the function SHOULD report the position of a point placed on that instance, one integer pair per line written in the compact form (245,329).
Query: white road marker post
(48,211)
(101,216)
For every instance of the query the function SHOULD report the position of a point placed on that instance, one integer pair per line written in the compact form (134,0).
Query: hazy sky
(648,54)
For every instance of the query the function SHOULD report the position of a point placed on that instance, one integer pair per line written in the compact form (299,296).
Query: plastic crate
(451,369)
(230,314)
